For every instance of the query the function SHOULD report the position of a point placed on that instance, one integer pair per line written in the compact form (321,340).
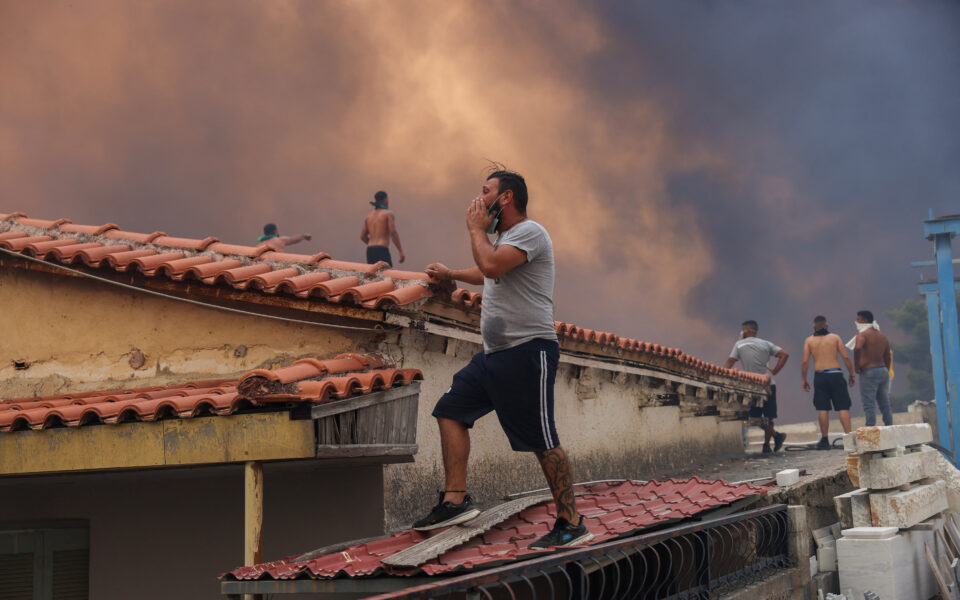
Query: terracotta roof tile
(215,263)
(611,510)
(316,276)
(647,352)
(364,374)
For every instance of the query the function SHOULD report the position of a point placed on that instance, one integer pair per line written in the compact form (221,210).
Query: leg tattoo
(556,468)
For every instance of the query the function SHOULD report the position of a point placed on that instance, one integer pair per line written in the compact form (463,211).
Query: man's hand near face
(477,218)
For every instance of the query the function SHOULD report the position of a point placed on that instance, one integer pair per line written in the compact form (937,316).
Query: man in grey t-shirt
(754,354)
(515,372)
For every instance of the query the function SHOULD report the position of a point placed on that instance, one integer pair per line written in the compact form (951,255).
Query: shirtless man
(872,357)
(828,383)
(271,237)
(378,229)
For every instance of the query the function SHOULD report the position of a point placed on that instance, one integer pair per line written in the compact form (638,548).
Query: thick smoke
(696,163)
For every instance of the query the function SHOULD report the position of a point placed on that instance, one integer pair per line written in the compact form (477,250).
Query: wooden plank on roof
(454,536)
(356,402)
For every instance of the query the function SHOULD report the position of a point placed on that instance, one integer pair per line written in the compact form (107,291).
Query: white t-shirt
(518,307)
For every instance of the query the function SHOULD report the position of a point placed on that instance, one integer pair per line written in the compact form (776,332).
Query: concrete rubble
(895,517)
(788,477)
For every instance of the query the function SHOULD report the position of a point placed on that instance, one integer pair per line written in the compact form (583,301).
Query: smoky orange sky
(696,164)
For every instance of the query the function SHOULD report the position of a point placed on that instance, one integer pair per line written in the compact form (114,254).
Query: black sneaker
(823,444)
(778,439)
(766,449)
(447,513)
(564,534)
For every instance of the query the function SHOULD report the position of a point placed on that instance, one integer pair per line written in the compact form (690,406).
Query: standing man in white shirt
(515,372)
(754,354)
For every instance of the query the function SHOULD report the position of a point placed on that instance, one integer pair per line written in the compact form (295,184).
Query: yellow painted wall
(79,335)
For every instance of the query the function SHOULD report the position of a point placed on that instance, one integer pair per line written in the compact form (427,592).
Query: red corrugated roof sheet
(611,510)
(263,270)
(306,380)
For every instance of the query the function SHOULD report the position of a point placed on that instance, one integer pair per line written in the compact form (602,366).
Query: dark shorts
(769,408)
(830,387)
(518,384)
(377,253)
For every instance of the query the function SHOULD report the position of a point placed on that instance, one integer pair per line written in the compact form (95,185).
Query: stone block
(788,477)
(860,506)
(844,506)
(853,469)
(907,508)
(869,533)
(824,536)
(827,558)
(917,535)
(879,438)
(951,476)
(880,473)
(826,581)
(836,530)
(850,442)
(879,565)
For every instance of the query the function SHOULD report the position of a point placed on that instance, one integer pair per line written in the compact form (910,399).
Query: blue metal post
(949,333)
(929,290)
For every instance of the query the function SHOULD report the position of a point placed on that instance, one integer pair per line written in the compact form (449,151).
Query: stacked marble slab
(898,478)
(895,512)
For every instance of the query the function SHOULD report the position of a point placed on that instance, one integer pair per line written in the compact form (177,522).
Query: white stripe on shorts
(544,417)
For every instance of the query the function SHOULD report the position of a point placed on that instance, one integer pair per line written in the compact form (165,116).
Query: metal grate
(700,560)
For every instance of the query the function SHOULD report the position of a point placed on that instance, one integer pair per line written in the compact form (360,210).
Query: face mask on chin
(496,219)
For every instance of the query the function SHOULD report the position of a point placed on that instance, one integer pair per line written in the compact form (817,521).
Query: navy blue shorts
(830,386)
(518,384)
(769,408)
(377,253)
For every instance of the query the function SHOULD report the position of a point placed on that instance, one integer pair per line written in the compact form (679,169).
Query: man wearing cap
(379,227)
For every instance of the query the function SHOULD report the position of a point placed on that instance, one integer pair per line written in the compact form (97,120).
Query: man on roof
(872,359)
(514,374)
(754,353)
(828,383)
(379,228)
(272,238)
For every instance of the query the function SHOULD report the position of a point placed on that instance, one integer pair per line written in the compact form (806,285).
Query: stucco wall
(609,436)
(165,534)
(78,334)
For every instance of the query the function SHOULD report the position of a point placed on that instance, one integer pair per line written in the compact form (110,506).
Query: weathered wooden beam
(340,406)
(170,442)
(365,450)
(252,513)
